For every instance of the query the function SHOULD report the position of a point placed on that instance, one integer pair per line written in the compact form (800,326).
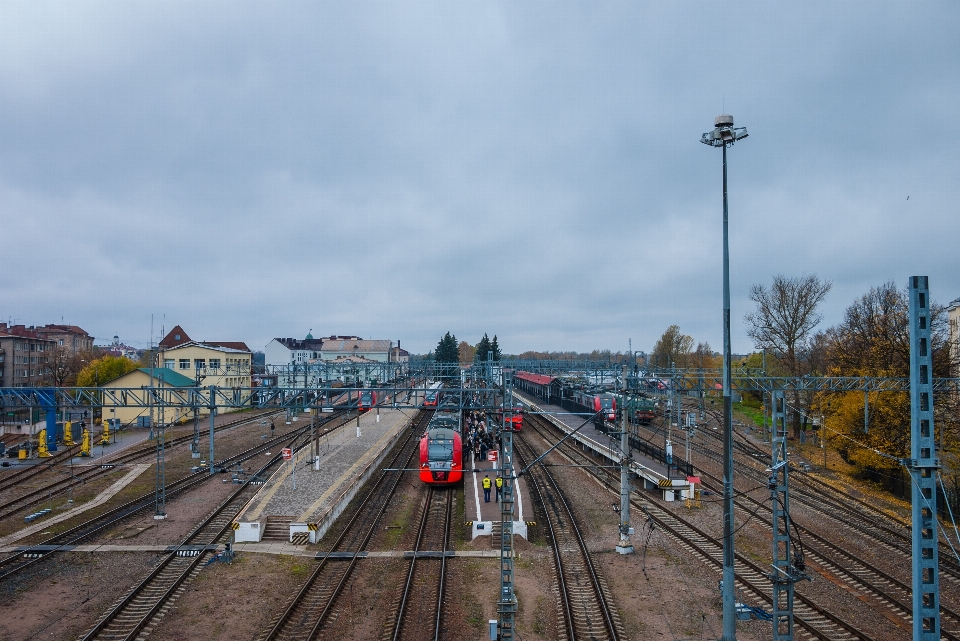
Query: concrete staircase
(278,529)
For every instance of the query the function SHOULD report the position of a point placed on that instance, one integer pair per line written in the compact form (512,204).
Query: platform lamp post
(723,135)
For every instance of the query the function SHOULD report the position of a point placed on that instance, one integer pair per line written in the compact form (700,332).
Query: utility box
(493,629)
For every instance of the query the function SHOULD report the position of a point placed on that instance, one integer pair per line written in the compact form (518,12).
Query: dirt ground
(66,596)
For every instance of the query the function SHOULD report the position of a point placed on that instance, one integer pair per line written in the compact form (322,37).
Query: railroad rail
(9,479)
(586,608)
(82,474)
(30,556)
(313,604)
(811,619)
(423,592)
(142,608)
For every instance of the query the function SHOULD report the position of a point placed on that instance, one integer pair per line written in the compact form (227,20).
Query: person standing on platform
(486,488)
(499,487)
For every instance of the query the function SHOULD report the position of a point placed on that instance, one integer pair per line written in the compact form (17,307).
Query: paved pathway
(100,499)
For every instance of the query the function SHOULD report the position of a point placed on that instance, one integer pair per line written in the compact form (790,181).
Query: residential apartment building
(292,351)
(72,338)
(24,356)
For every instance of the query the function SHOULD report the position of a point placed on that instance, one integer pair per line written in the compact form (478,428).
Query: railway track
(314,604)
(10,479)
(848,513)
(82,474)
(421,603)
(812,620)
(141,609)
(588,611)
(861,577)
(31,556)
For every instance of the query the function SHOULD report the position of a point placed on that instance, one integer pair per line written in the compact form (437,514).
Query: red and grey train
(432,396)
(441,449)
(600,403)
(368,399)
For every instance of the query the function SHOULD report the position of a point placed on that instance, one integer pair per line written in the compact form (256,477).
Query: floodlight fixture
(724,133)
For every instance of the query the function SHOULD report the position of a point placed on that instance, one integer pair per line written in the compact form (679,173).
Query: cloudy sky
(531,169)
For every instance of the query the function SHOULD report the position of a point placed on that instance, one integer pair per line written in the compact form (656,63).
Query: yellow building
(141,378)
(209,364)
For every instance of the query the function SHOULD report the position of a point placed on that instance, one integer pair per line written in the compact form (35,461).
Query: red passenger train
(368,399)
(432,396)
(605,405)
(515,419)
(441,450)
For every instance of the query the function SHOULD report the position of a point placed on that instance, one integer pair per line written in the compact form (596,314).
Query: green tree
(483,347)
(104,369)
(447,351)
(495,348)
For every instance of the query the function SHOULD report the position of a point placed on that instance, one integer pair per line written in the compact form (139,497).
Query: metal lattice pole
(507,604)
(923,466)
(783,576)
(624,546)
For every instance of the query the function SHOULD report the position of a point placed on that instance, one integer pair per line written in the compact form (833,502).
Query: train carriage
(441,450)
(368,399)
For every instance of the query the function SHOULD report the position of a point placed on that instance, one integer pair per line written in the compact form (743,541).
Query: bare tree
(784,320)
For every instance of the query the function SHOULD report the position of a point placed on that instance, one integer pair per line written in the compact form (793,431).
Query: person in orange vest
(499,487)
(486,488)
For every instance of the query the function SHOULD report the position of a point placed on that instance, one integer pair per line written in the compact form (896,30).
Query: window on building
(184,363)
(214,363)
(169,363)
(61,342)
(199,363)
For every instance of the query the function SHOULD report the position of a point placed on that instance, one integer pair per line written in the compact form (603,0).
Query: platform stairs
(278,529)
(496,533)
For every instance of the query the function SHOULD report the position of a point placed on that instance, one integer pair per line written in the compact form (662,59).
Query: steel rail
(86,473)
(182,574)
(422,533)
(558,493)
(103,521)
(406,452)
(807,614)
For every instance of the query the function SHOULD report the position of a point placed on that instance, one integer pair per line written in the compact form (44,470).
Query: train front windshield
(431,397)
(365,398)
(606,403)
(440,449)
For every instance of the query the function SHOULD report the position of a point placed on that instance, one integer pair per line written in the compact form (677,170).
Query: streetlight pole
(723,135)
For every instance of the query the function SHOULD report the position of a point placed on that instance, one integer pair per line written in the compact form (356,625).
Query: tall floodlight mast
(725,134)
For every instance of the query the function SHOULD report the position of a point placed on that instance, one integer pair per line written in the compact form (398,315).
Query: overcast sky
(529,169)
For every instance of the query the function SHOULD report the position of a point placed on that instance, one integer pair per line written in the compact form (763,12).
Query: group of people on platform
(478,438)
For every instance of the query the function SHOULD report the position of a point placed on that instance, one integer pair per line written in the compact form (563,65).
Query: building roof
(240,346)
(164,375)
(175,337)
(538,379)
(70,329)
(220,347)
(354,345)
(313,344)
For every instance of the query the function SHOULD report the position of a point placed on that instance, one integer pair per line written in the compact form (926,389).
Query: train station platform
(485,515)
(304,499)
(654,474)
